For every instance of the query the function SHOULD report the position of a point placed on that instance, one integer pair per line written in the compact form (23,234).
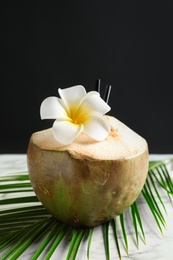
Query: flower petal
(66,132)
(92,102)
(72,96)
(95,126)
(52,108)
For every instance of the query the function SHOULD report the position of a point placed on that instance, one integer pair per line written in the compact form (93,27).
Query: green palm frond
(24,221)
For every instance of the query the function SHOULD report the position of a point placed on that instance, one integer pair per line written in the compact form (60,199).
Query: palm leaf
(114,226)
(24,221)
(106,239)
(90,234)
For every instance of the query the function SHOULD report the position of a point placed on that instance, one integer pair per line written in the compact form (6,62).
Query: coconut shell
(87,183)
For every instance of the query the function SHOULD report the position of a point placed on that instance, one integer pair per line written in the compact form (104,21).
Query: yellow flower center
(76,116)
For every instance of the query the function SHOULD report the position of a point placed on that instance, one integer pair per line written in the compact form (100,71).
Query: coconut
(87,183)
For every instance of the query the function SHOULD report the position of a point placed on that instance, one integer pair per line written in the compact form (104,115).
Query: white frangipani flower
(74,112)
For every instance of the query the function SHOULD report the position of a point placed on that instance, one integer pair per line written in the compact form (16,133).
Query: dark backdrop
(127,44)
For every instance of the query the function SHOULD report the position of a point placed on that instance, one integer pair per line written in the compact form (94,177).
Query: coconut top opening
(122,143)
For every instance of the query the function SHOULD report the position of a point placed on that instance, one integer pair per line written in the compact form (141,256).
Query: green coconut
(87,182)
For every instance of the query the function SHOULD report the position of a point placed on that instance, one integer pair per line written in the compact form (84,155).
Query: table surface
(157,246)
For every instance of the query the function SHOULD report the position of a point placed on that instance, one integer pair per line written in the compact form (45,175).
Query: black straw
(98,82)
(107,90)
(107,93)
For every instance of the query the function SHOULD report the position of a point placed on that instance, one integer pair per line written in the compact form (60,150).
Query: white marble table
(157,246)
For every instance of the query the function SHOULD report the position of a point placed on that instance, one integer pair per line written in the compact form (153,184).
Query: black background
(127,44)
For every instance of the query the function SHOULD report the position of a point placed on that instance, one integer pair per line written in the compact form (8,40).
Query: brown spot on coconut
(87,183)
